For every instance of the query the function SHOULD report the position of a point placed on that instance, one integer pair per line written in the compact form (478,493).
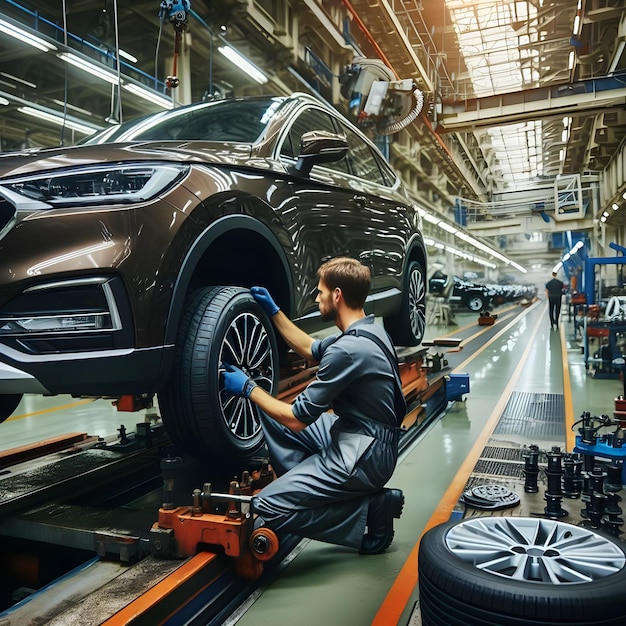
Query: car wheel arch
(417,252)
(406,325)
(208,243)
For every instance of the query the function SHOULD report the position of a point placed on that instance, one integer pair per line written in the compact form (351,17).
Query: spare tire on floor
(514,571)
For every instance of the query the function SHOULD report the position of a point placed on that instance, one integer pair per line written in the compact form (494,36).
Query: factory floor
(331,585)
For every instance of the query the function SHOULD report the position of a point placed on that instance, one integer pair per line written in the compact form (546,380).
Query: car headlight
(102,184)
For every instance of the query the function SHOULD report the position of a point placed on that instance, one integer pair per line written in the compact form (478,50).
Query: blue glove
(236,382)
(262,296)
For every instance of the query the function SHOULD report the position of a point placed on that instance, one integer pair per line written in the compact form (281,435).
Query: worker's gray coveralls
(326,471)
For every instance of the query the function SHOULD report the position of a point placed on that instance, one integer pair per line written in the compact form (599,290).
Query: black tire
(407,325)
(476,302)
(514,571)
(8,404)
(219,324)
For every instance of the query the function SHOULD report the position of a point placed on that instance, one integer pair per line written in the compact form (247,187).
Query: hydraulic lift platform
(100,534)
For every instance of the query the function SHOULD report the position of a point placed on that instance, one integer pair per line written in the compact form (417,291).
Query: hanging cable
(117,88)
(65,86)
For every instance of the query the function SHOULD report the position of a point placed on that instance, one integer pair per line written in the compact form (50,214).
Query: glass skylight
(499,42)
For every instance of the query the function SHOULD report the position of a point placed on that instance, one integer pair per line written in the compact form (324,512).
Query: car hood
(21,163)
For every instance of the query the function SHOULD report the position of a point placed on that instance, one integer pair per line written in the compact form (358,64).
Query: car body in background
(476,296)
(512,292)
(126,261)
(460,292)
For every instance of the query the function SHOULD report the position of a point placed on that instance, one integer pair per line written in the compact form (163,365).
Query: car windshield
(223,120)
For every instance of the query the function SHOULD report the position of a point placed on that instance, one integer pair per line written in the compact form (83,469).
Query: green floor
(330,586)
(325,585)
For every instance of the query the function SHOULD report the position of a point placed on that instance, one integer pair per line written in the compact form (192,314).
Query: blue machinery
(589,278)
(610,356)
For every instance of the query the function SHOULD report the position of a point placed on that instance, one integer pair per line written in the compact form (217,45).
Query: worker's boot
(383,507)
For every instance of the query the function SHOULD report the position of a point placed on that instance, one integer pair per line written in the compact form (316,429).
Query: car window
(361,158)
(238,120)
(388,174)
(310,119)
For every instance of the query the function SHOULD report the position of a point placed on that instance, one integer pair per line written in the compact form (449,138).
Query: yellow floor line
(570,435)
(496,336)
(396,600)
(61,407)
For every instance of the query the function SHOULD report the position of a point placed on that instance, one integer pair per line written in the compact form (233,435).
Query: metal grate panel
(535,416)
(499,468)
(504,454)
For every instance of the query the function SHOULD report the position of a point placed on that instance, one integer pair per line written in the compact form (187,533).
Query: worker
(331,467)
(554,291)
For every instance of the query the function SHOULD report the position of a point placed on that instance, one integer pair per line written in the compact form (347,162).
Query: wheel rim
(246,344)
(417,303)
(535,550)
(475,303)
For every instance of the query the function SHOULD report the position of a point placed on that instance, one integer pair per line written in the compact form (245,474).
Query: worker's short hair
(351,276)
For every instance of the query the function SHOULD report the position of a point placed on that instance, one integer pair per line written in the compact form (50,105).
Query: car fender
(201,245)
(415,250)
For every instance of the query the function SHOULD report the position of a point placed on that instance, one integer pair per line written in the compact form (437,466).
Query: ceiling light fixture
(448,227)
(72,107)
(89,67)
(19,80)
(431,218)
(25,36)
(58,119)
(4,101)
(243,64)
(148,95)
(128,56)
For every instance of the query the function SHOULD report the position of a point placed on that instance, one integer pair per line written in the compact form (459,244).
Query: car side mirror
(320,146)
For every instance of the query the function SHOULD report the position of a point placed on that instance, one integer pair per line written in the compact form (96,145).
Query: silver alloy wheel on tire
(534,550)
(475,303)
(246,345)
(417,302)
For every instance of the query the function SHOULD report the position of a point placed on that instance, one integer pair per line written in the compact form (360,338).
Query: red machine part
(207,528)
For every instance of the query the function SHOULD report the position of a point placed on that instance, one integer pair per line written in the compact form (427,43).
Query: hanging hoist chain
(175,11)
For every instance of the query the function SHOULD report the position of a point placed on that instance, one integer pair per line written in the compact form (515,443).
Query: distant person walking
(554,290)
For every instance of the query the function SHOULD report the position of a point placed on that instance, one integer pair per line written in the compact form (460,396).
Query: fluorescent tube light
(243,64)
(25,36)
(431,218)
(150,96)
(448,227)
(72,107)
(4,101)
(87,66)
(128,56)
(19,80)
(58,119)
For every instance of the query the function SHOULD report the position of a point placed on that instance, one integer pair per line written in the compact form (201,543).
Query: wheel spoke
(417,303)
(246,344)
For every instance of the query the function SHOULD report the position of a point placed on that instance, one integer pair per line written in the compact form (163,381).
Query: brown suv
(125,261)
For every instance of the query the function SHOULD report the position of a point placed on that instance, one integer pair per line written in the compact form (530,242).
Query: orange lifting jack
(183,531)
(485,318)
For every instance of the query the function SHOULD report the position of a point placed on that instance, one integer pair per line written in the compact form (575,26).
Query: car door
(323,211)
(382,209)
